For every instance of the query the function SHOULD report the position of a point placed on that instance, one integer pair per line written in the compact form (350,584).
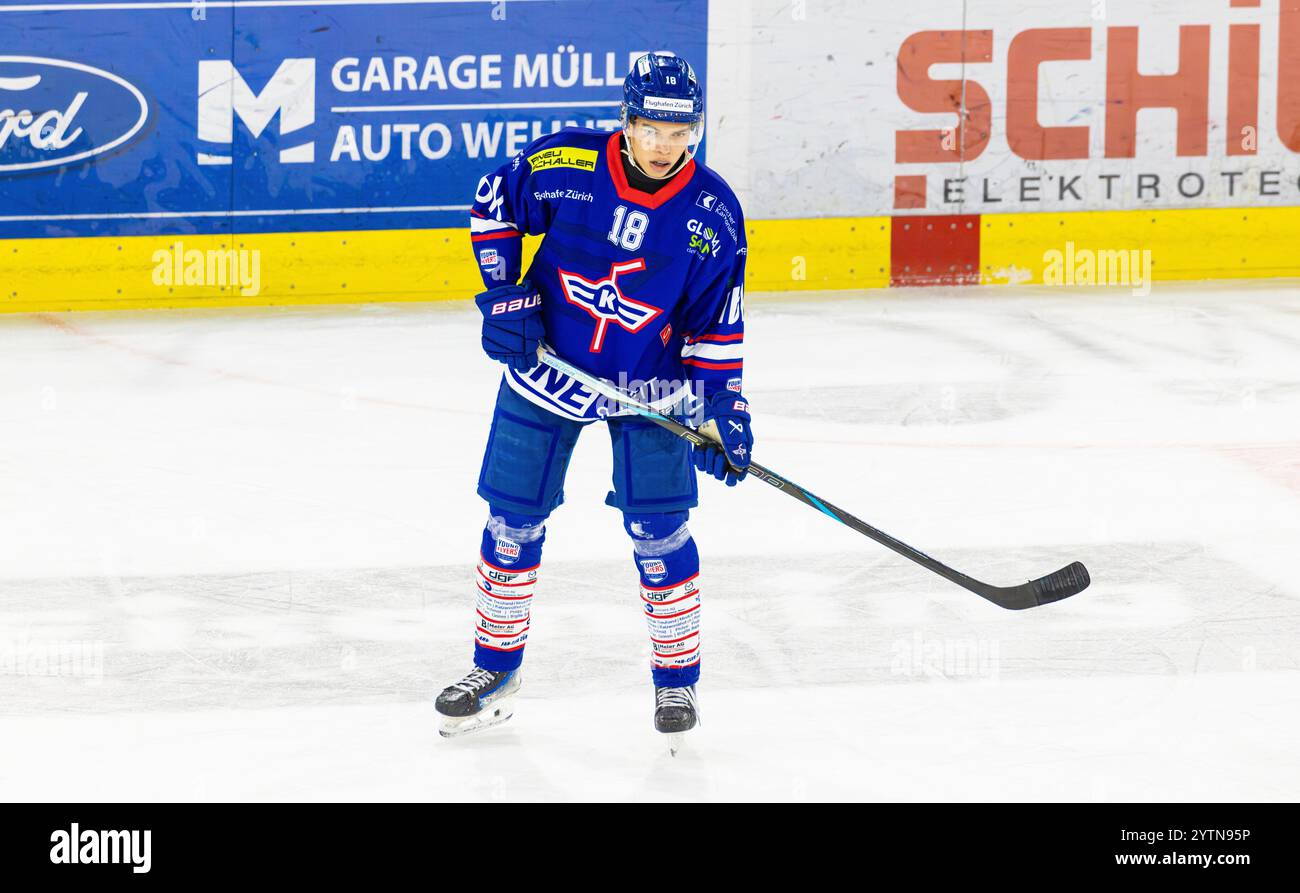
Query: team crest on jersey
(507,551)
(487,257)
(604,300)
(654,570)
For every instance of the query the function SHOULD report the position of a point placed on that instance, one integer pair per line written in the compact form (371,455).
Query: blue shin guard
(669,566)
(509,558)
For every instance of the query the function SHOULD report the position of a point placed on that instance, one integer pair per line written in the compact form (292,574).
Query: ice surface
(236,550)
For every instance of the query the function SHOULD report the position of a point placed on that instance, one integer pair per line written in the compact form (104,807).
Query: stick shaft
(1011,597)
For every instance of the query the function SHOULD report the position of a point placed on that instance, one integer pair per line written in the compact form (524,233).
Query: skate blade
(676,740)
(492,715)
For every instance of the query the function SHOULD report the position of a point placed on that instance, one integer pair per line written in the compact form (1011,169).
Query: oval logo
(54,112)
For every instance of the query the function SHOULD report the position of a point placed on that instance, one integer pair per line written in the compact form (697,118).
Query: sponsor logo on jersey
(667,104)
(487,194)
(498,576)
(665,333)
(654,570)
(563,156)
(575,194)
(487,257)
(706,200)
(507,551)
(728,219)
(704,240)
(604,300)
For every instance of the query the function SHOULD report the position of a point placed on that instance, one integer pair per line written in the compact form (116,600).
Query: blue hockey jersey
(643,289)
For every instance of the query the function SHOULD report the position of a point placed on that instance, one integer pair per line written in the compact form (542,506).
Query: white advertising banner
(838,108)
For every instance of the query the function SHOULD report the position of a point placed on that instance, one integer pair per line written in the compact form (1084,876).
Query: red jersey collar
(614,157)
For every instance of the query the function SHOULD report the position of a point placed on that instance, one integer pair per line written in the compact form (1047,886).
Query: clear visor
(653,135)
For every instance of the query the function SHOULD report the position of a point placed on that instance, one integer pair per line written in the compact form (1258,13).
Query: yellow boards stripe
(1185,244)
(817,253)
(430,265)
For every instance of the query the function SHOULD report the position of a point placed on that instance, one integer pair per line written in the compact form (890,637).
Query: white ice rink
(236,551)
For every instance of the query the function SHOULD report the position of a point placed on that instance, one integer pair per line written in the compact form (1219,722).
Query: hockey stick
(1068,581)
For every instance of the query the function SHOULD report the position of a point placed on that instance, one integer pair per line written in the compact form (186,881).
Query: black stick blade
(1064,583)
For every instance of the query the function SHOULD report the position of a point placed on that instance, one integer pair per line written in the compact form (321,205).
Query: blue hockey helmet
(662,87)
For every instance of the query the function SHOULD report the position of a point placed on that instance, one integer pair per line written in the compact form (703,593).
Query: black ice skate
(676,712)
(481,700)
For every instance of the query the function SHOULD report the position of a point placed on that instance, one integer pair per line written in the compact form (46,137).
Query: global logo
(54,112)
(703,239)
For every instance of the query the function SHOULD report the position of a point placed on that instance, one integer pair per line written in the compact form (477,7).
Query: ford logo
(54,112)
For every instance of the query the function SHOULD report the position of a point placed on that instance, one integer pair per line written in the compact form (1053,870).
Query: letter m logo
(223,94)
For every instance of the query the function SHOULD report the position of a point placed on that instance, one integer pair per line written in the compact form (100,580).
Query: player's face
(658,145)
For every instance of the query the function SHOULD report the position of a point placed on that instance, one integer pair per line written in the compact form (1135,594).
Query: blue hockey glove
(729,413)
(512,324)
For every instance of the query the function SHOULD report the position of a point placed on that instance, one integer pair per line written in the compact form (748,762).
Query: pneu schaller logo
(78,846)
(55,112)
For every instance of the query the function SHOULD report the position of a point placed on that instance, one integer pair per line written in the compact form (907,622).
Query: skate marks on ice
(914,404)
(985,360)
(1154,608)
(223,641)
(388,635)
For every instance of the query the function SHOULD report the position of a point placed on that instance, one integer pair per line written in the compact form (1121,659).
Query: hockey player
(639,279)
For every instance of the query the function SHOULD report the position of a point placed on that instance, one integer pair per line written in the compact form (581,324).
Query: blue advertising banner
(143,118)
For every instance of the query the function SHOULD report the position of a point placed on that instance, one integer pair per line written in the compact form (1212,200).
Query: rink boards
(270,152)
(101,273)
